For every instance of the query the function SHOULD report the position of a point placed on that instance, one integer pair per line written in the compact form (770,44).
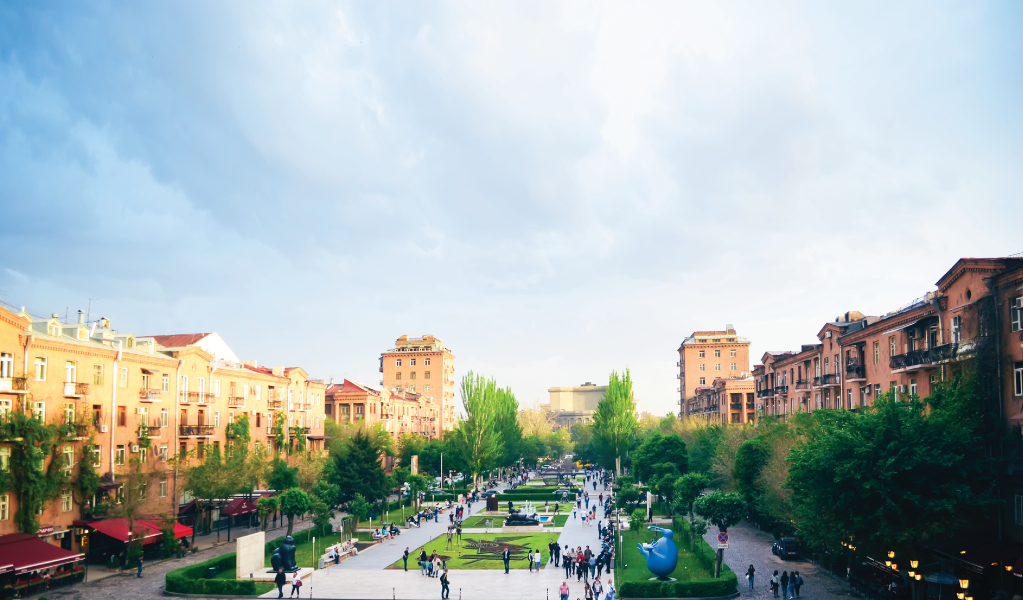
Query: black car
(786,548)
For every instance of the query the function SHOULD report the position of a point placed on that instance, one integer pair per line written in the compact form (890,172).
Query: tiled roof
(178,340)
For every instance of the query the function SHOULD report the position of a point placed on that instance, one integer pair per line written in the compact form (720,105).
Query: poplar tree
(614,422)
(477,436)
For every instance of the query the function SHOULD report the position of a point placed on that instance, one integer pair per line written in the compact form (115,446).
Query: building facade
(572,405)
(708,355)
(725,400)
(399,412)
(423,366)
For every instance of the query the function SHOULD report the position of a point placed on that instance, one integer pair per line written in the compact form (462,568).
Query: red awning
(181,531)
(25,552)
(238,506)
(187,509)
(118,529)
(1017,418)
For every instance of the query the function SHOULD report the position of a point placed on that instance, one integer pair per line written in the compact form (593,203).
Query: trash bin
(211,573)
(323,562)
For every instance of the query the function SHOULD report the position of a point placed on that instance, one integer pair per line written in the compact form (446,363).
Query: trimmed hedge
(192,580)
(541,496)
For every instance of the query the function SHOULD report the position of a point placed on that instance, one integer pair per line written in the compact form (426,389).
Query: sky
(555,190)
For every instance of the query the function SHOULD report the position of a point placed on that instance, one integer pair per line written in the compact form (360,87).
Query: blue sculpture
(662,554)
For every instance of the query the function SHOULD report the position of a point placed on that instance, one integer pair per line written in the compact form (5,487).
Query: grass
(480,521)
(304,549)
(479,551)
(690,566)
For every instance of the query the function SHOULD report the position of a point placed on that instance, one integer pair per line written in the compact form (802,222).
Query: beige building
(425,367)
(708,355)
(571,405)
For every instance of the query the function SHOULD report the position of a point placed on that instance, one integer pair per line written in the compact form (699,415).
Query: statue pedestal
(267,575)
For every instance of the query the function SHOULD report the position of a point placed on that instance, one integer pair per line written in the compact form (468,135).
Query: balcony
(803,384)
(154,429)
(765,393)
(75,390)
(735,407)
(238,401)
(299,431)
(834,379)
(14,385)
(781,390)
(750,406)
(191,398)
(149,394)
(274,404)
(922,359)
(855,372)
(195,430)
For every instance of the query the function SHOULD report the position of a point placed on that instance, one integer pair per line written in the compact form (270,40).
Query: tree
(666,488)
(133,495)
(750,459)
(637,520)
(614,421)
(294,502)
(358,471)
(687,489)
(893,474)
(627,498)
(417,485)
(309,470)
(477,436)
(723,509)
(208,481)
(506,422)
(322,514)
(282,476)
(266,506)
(328,492)
(658,449)
(536,421)
(359,508)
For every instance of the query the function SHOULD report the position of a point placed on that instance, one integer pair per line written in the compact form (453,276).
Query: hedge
(541,496)
(192,580)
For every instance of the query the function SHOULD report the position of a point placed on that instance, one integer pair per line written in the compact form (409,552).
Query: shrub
(192,579)
(700,588)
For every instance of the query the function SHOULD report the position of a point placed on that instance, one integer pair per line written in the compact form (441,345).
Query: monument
(249,555)
(284,556)
(250,561)
(661,555)
(521,520)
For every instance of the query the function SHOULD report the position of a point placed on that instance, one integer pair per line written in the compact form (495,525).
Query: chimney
(55,316)
(729,328)
(81,316)
(104,323)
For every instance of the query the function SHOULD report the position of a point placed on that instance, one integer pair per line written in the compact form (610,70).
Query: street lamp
(964,583)
(914,563)
(891,554)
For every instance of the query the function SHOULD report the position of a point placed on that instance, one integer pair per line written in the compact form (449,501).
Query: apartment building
(708,355)
(425,367)
(725,400)
(400,412)
(126,396)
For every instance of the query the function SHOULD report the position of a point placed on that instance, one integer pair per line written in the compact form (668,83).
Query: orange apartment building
(726,400)
(399,411)
(425,367)
(708,355)
(145,397)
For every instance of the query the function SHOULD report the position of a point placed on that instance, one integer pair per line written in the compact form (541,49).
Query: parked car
(786,548)
(488,493)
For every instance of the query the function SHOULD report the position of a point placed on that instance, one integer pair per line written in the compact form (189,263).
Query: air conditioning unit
(103,429)
(134,447)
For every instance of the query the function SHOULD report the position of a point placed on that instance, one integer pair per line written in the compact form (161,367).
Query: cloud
(554,190)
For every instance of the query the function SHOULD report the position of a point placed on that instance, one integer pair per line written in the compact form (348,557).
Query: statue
(284,556)
(519,519)
(662,554)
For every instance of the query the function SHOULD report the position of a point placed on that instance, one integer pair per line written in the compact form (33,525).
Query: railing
(73,389)
(816,382)
(154,428)
(236,401)
(919,358)
(274,404)
(854,371)
(781,389)
(766,393)
(195,430)
(148,393)
(832,379)
(299,430)
(305,406)
(750,406)
(14,384)
(803,384)
(735,406)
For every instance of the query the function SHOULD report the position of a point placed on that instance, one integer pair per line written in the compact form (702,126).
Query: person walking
(784,584)
(529,559)
(567,564)
(750,573)
(598,589)
(775,583)
(296,585)
(436,565)
(587,592)
(563,590)
(404,558)
(506,557)
(445,589)
(796,582)
(139,563)
(422,561)
(537,556)
(610,590)
(279,581)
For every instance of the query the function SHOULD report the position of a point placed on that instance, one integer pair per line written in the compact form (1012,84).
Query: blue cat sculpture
(662,555)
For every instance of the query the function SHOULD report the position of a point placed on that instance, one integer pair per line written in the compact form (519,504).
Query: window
(39,410)
(5,459)
(120,494)
(6,365)
(232,390)
(145,381)
(957,325)
(1016,313)
(163,452)
(412,362)
(143,489)
(426,389)
(849,397)
(164,417)
(119,455)
(291,399)
(412,375)
(717,354)
(702,354)
(202,389)
(70,371)
(259,393)
(69,412)
(122,416)
(122,376)
(912,386)
(40,368)
(182,449)
(97,456)
(65,501)
(732,366)
(717,366)
(397,375)
(230,416)
(703,381)
(97,374)
(53,329)
(143,454)
(163,488)
(877,352)
(1018,373)
(731,353)
(426,375)
(183,388)
(245,391)
(426,361)
(5,507)
(216,418)
(397,362)
(165,384)
(200,449)
(703,367)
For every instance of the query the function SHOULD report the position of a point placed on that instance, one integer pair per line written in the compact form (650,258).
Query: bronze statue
(284,556)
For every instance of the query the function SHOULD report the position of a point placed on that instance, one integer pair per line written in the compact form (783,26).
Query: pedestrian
(588,592)
(436,565)
(750,573)
(784,584)
(563,590)
(445,589)
(775,583)
(458,531)
(506,556)
(568,565)
(557,553)
(279,581)
(529,559)
(404,558)
(610,590)
(597,588)
(798,582)
(139,574)
(296,585)
(422,561)
(536,560)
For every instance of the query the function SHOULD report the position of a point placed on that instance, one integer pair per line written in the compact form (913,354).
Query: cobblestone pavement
(748,545)
(128,587)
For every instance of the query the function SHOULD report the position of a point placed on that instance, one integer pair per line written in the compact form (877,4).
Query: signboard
(45,529)
(722,539)
(414,465)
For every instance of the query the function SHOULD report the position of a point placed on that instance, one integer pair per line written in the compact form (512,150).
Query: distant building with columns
(571,405)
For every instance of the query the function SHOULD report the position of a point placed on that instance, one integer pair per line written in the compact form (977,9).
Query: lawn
(483,550)
(689,568)
(480,521)
(304,556)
